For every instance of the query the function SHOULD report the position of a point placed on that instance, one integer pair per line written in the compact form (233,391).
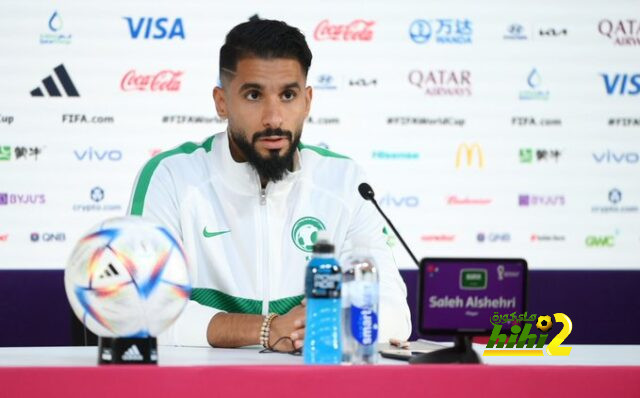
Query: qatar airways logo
(165,80)
(357,30)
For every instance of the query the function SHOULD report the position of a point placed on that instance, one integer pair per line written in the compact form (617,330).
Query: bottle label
(364,325)
(326,285)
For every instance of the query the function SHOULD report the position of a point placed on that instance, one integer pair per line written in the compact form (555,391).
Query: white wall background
(93,41)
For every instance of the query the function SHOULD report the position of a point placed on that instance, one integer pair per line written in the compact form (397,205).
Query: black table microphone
(367,193)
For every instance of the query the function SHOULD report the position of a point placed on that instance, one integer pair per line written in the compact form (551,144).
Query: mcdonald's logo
(469,151)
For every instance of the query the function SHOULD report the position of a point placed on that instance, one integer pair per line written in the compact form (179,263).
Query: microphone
(367,193)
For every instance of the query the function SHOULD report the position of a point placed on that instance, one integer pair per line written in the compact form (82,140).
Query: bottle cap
(322,245)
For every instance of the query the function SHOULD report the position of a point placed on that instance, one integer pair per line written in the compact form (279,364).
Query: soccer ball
(127,277)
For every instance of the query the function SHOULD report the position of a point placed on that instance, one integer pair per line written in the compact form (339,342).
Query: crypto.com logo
(468,151)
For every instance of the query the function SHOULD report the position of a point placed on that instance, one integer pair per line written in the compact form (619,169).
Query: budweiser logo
(356,30)
(454,200)
(166,80)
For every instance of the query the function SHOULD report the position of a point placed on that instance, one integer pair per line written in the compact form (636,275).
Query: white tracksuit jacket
(248,247)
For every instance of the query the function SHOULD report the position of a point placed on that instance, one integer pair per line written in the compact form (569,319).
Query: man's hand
(292,325)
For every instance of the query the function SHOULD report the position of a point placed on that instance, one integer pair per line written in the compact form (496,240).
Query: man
(247,203)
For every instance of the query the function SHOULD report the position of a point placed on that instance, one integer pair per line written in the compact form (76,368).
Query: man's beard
(273,167)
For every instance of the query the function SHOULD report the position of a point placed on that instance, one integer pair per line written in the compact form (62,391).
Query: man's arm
(237,330)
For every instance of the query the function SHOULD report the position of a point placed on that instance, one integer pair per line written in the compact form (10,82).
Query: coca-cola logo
(357,30)
(166,80)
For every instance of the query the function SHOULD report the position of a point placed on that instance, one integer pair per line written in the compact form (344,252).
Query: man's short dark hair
(263,38)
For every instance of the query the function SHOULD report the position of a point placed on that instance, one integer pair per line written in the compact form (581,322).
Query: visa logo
(91,154)
(616,157)
(621,84)
(403,201)
(150,28)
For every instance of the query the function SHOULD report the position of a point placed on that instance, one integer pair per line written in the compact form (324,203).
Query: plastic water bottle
(360,311)
(323,280)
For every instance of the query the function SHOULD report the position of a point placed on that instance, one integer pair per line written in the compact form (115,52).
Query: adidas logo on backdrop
(53,88)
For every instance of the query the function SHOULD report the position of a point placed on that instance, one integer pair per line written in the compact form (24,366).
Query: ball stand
(127,350)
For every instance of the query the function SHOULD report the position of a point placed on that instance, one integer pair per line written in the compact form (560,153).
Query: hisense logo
(385,155)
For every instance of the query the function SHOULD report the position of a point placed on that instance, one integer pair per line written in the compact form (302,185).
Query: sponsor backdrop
(488,129)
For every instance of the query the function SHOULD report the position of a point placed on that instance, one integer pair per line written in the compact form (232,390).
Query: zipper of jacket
(265,250)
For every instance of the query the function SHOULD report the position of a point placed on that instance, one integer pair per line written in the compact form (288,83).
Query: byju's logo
(515,32)
(534,81)
(442,82)
(540,200)
(621,83)
(91,154)
(21,199)
(444,30)
(56,36)
(470,152)
(616,157)
(155,28)
(52,88)
(615,205)
(399,201)
(623,32)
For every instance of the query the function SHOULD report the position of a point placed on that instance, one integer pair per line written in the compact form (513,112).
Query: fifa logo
(469,150)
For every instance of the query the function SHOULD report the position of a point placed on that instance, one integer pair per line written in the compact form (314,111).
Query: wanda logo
(166,80)
(357,30)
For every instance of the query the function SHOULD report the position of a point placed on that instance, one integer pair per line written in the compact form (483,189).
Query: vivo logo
(621,83)
(92,154)
(402,201)
(616,157)
(148,28)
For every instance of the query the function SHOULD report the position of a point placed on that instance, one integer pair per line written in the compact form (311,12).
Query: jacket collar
(242,177)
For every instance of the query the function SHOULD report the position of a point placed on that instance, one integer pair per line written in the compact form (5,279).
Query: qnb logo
(399,201)
(472,154)
(621,83)
(48,237)
(155,29)
(600,241)
(616,157)
(52,88)
(91,154)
